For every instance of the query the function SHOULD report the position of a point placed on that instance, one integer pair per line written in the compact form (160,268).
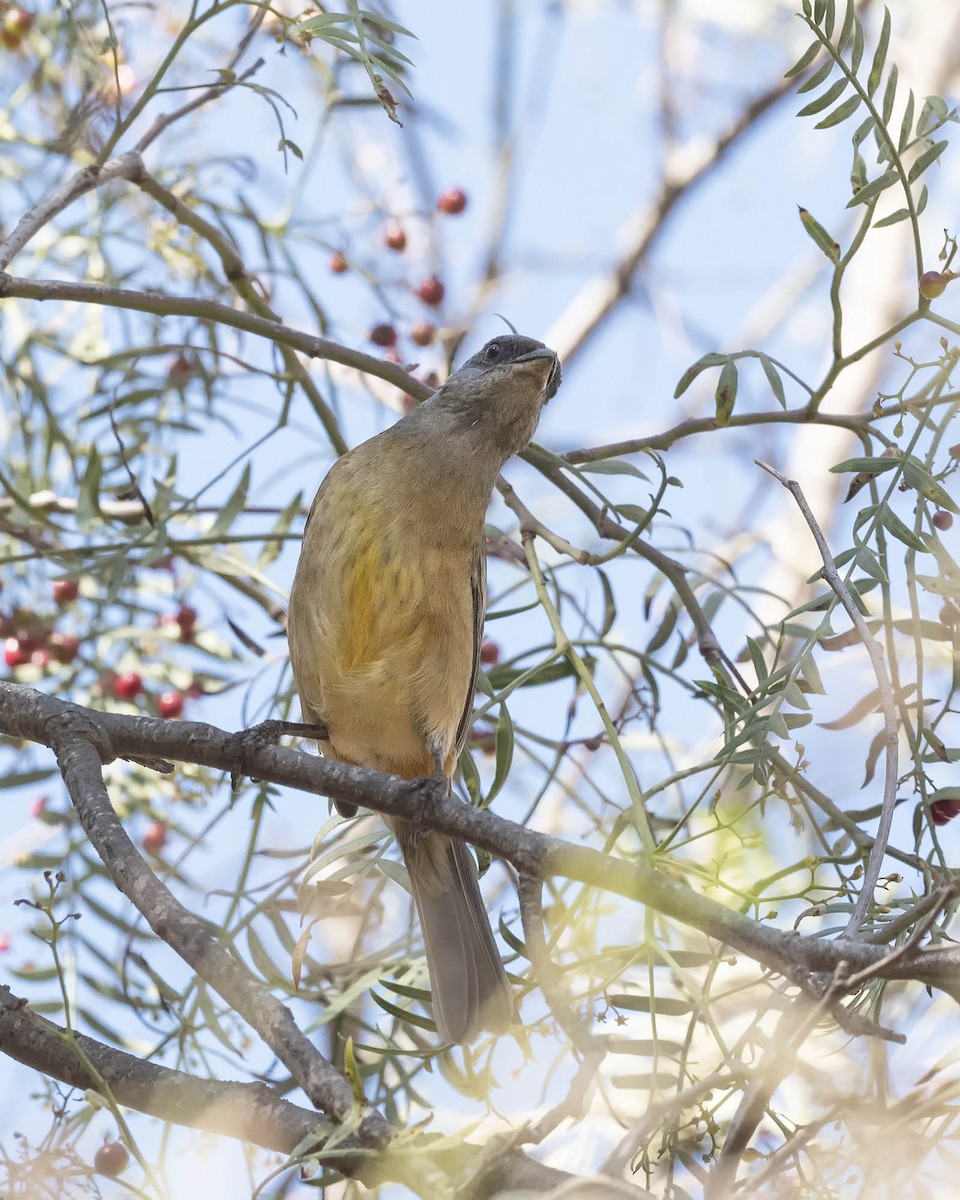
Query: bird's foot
(267,733)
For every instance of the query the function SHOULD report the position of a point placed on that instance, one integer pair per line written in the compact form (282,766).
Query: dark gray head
(500,391)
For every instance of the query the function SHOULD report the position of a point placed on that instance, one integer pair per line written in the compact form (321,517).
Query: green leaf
(870,564)
(840,113)
(663,1006)
(871,466)
(894,218)
(874,188)
(25,778)
(804,61)
(88,497)
(862,130)
(726,393)
(664,629)
(847,28)
(819,76)
(609,604)
(385,23)
(774,380)
(933,113)
(857,53)
(917,475)
(901,531)
(906,124)
(229,512)
(880,54)
(286,144)
(811,673)
(922,202)
(756,657)
(889,94)
(834,92)
(611,466)
(818,234)
(930,155)
(691,373)
(504,745)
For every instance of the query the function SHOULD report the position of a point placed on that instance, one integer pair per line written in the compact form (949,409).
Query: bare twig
(209,310)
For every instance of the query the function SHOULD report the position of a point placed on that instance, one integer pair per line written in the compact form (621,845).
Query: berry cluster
(429,290)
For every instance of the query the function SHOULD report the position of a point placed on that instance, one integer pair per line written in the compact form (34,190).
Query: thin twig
(887,704)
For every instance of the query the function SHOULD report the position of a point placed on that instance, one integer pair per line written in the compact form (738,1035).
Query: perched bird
(385,621)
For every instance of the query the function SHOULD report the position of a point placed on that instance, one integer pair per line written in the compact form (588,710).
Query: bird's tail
(470,987)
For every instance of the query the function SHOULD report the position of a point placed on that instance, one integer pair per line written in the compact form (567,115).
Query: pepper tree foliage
(649,692)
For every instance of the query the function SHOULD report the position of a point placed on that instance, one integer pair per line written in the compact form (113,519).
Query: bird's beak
(545,365)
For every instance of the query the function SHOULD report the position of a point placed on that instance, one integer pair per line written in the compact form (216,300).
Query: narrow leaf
(901,531)
(857,54)
(726,393)
(894,218)
(773,378)
(873,189)
(880,54)
(930,155)
(889,94)
(690,374)
(818,234)
(833,93)
(819,76)
(804,61)
(847,28)
(906,123)
(840,113)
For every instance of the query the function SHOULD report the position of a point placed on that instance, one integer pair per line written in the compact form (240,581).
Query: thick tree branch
(31,715)
(251,1112)
(76,737)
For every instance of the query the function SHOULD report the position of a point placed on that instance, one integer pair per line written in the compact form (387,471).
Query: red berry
(64,646)
(39,807)
(452,202)
(65,591)
(383,335)
(489,652)
(338,263)
(111,1159)
(395,237)
(949,614)
(431,291)
(155,838)
(942,519)
(423,334)
(195,690)
(17,23)
(170,704)
(943,811)
(4,943)
(186,616)
(180,371)
(932,284)
(14,653)
(40,658)
(127,686)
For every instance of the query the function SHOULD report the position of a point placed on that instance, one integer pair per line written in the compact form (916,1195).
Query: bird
(384,628)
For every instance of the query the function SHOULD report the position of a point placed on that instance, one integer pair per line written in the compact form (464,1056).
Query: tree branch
(29,714)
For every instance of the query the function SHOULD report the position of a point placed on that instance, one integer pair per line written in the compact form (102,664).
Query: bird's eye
(493,351)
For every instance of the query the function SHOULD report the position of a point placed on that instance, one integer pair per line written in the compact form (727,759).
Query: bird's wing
(478,591)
